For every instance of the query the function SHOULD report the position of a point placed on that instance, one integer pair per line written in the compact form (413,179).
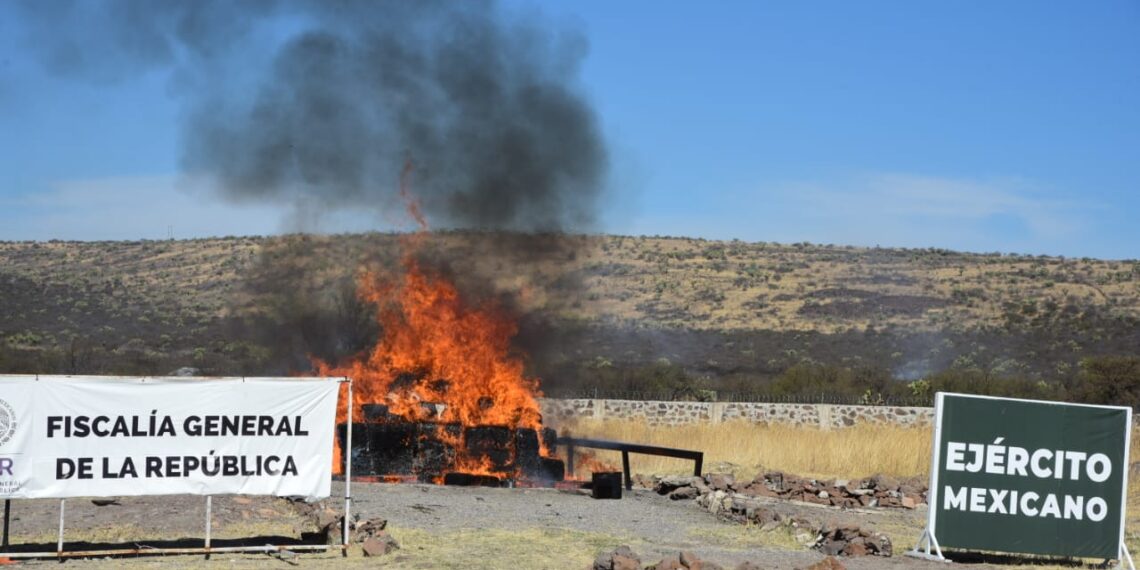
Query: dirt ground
(448,527)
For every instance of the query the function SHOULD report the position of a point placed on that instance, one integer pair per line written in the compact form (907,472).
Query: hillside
(615,312)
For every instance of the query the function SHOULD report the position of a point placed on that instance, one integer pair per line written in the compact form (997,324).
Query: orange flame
(439,350)
(437,347)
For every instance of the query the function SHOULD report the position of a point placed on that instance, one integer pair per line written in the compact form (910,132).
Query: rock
(907,502)
(754,490)
(855,549)
(369,529)
(832,547)
(667,484)
(884,483)
(682,493)
(700,486)
(380,544)
(774,481)
(829,563)
(690,561)
(824,495)
(669,563)
(625,563)
(720,481)
(716,501)
(620,558)
(879,544)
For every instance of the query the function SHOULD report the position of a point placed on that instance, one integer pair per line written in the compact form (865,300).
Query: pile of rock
(851,540)
(877,491)
(720,495)
(373,539)
(623,558)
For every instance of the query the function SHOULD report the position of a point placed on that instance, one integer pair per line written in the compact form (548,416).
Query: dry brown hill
(737,315)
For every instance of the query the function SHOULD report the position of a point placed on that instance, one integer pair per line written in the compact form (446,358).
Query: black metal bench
(698,457)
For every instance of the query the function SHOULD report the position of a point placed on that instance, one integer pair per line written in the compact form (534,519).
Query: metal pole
(625,470)
(59,549)
(347,454)
(570,460)
(7,518)
(209,512)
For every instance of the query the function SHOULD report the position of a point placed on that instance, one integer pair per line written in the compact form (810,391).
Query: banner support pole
(7,519)
(59,547)
(347,456)
(209,517)
(1125,556)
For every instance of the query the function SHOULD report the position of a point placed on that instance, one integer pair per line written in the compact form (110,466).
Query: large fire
(441,358)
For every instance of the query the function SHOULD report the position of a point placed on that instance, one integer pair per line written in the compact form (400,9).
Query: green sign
(1028,476)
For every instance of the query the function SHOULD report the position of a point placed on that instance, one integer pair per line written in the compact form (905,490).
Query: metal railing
(698,457)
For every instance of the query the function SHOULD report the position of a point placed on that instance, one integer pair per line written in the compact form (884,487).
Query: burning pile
(440,398)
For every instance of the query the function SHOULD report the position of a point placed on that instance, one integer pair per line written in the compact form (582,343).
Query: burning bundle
(389,446)
(442,398)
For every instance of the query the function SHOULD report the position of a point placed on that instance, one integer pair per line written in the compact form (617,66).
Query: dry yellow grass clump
(747,448)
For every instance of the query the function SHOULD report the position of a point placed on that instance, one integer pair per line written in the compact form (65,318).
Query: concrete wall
(823,416)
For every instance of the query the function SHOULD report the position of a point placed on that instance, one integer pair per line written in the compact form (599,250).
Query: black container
(549,437)
(527,448)
(362,460)
(552,469)
(607,485)
(494,442)
(393,447)
(432,456)
(470,480)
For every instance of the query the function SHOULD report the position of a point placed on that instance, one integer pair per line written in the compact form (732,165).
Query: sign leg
(62,505)
(209,517)
(1125,556)
(347,454)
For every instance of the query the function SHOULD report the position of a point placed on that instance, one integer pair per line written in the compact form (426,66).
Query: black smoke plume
(487,107)
(319,105)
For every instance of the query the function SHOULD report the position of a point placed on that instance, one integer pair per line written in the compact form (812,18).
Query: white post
(932,493)
(59,549)
(1125,556)
(347,455)
(209,511)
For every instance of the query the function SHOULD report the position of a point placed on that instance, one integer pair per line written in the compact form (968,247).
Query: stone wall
(824,416)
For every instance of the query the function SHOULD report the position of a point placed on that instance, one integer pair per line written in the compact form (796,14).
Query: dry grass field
(747,449)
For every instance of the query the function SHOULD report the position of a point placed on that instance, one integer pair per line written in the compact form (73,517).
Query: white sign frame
(206,548)
(927,546)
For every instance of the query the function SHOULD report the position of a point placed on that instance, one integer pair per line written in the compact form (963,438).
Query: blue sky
(978,126)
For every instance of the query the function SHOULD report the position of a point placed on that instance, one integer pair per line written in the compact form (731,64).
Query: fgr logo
(8,422)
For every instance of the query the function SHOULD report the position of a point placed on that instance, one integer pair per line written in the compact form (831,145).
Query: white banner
(70,436)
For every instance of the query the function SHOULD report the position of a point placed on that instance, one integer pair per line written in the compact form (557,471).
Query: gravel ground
(456,527)
(654,524)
